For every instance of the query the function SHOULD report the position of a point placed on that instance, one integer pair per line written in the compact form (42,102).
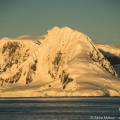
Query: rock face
(66,63)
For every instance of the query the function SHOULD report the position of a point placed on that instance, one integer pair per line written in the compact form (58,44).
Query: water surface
(80,108)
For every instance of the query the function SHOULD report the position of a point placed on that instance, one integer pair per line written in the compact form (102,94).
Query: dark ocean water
(87,108)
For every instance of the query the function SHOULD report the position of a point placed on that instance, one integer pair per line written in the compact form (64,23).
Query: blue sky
(99,19)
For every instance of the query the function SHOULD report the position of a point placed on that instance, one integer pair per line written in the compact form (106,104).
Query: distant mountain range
(64,62)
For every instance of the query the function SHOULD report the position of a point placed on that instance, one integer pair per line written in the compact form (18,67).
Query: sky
(99,19)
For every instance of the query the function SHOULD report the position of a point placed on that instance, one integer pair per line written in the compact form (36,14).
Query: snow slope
(66,63)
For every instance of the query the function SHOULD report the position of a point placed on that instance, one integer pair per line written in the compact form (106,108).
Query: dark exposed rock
(65,79)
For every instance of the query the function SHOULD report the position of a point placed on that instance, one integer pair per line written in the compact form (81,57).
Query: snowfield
(64,62)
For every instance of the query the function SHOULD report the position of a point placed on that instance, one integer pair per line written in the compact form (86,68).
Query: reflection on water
(59,108)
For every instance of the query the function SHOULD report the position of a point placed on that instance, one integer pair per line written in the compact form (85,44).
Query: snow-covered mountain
(64,62)
(109,50)
(112,54)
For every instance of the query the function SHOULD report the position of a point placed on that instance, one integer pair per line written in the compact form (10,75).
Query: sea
(60,108)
